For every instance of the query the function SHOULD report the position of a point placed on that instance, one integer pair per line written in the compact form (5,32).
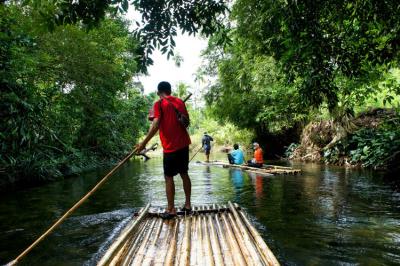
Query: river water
(326,216)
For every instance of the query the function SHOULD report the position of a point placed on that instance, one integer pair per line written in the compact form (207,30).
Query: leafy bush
(376,147)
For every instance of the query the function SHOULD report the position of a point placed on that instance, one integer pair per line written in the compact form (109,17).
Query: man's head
(256,145)
(164,88)
(205,133)
(235,146)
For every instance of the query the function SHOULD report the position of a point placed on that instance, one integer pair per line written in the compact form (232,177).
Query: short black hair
(164,87)
(235,146)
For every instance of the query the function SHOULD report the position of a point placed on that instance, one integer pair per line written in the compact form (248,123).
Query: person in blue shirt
(206,144)
(236,156)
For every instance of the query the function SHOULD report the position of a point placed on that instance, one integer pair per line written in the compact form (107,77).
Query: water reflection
(327,215)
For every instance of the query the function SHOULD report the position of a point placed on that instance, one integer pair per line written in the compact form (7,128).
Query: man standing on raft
(175,141)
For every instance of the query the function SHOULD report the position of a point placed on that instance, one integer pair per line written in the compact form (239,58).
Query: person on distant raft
(175,141)
(258,159)
(206,144)
(236,156)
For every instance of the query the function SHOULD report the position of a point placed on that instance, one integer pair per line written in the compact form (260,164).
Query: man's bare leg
(170,191)
(187,187)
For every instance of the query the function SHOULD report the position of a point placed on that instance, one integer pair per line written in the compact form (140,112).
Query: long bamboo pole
(72,209)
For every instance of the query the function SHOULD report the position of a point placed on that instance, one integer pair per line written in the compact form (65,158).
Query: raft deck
(267,170)
(211,235)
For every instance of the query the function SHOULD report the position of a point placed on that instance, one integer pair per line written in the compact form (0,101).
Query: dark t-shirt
(206,141)
(173,134)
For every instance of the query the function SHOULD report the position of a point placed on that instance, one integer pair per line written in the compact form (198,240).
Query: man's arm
(152,131)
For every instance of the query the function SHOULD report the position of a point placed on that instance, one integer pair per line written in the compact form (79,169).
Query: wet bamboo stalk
(214,242)
(260,244)
(135,245)
(227,254)
(163,248)
(142,249)
(194,240)
(247,239)
(207,242)
(200,252)
(237,254)
(172,245)
(124,235)
(185,250)
(152,249)
(241,242)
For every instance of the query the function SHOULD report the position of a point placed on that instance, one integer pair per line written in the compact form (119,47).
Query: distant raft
(266,170)
(211,235)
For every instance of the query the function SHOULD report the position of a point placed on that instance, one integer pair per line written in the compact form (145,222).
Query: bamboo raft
(211,235)
(266,170)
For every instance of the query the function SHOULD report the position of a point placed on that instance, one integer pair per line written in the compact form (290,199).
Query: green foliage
(290,149)
(159,24)
(376,147)
(251,93)
(317,41)
(67,100)
(369,147)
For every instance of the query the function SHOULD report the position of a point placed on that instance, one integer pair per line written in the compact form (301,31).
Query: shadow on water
(326,216)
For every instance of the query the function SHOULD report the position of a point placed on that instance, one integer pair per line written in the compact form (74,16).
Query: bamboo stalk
(248,240)
(237,254)
(241,242)
(127,259)
(163,247)
(260,244)
(219,261)
(185,249)
(200,252)
(118,243)
(152,248)
(207,241)
(142,249)
(227,254)
(172,245)
(194,240)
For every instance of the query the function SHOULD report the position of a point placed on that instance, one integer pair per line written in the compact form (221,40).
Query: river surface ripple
(326,216)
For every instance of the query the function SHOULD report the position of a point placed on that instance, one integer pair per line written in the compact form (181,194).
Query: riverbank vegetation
(69,100)
(306,72)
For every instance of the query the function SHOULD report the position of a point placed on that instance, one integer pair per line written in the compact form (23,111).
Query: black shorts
(207,151)
(176,162)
